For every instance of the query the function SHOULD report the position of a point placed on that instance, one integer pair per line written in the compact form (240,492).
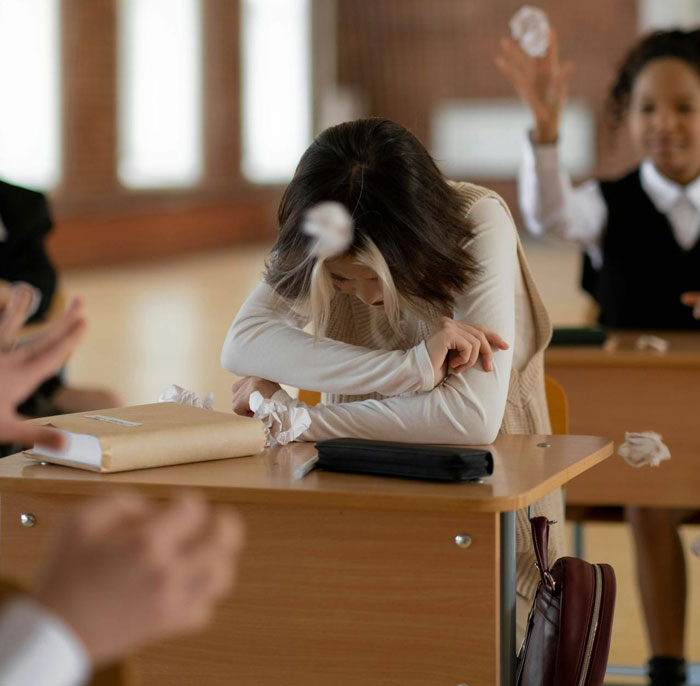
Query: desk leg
(507,598)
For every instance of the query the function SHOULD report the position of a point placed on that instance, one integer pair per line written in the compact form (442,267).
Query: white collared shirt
(551,206)
(38,649)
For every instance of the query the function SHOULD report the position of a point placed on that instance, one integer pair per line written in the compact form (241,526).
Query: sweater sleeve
(265,340)
(551,206)
(468,407)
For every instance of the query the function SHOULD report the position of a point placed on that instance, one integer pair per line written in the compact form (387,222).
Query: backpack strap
(540,540)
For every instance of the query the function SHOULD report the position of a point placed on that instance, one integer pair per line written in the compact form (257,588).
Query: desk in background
(346,579)
(618,388)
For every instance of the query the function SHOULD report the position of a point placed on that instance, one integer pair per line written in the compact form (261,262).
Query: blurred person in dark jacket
(25,222)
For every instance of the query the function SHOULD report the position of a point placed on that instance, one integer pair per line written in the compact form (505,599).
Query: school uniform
(640,234)
(25,223)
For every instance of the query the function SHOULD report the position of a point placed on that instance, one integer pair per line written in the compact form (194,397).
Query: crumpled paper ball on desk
(177,394)
(642,448)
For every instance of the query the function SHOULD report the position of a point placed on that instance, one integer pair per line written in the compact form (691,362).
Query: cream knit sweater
(379,384)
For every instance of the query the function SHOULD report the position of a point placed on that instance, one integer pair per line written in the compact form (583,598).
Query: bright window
(30,141)
(485,138)
(160,118)
(667,14)
(276,73)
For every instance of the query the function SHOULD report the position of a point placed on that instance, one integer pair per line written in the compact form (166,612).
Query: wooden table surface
(523,472)
(618,388)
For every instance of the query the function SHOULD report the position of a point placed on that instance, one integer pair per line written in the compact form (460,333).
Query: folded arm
(267,341)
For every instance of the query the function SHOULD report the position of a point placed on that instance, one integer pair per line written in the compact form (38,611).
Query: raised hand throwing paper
(529,26)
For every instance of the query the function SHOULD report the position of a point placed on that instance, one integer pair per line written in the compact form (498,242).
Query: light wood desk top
(618,388)
(523,472)
(620,350)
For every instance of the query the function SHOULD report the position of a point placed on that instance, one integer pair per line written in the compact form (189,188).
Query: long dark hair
(677,44)
(398,199)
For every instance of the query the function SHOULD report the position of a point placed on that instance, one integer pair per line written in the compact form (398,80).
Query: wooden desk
(346,579)
(616,389)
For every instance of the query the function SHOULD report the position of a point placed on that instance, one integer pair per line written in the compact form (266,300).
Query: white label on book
(113,420)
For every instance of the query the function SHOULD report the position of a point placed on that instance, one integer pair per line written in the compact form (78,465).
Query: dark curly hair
(398,198)
(677,44)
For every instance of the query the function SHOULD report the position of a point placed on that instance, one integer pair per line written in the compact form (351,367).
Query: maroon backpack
(568,630)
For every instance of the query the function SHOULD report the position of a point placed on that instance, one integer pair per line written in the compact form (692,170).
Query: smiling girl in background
(404,311)
(642,253)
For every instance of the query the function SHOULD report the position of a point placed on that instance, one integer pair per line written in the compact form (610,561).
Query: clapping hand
(25,366)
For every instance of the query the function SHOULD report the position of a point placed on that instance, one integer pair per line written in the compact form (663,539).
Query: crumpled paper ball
(695,547)
(177,394)
(529,26)
(649,342)
(283,421)
(331,225)
(643,448)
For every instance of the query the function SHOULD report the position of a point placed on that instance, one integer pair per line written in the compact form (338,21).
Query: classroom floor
(155,324)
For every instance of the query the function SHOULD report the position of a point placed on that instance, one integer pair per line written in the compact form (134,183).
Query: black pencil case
(579,335)
(409,460)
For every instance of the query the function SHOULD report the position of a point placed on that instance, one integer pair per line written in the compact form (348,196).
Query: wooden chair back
(558,405)
(311,398)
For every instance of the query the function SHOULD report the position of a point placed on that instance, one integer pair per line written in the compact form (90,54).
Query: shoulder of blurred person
(24,214)
(25,222)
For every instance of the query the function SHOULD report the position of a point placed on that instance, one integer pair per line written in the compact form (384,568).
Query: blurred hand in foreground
(692,299)
(126,570)
(25,365)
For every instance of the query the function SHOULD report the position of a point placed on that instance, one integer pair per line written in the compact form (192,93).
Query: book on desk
(154,435)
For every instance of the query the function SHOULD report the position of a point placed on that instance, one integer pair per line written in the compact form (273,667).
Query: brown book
(153,435)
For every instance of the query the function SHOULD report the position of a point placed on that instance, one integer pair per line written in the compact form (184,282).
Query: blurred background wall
(139,115)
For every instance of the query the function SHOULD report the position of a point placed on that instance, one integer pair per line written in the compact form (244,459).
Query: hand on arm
(459,345)
(247,385)
(126,571)
(453,347)
(541,82)
(265,341)
(261,341)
